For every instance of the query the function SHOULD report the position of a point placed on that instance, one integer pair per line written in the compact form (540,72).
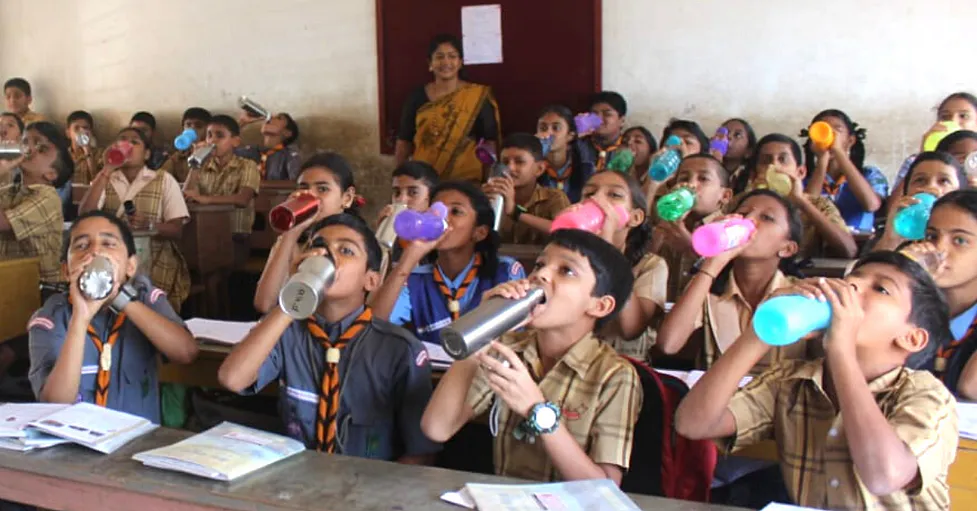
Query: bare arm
(679,323)
(815,182)
(171,230)
(90,201)
(240,369)
(276,272)
(62,383)
(448,409)
(385,297)
(634,318)
(837,236)
(860,187)
(967,385)
(704,412)
(171,339)
(573,463)
(537,223)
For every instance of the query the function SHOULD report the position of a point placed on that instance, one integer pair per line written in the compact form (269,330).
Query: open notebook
(221,332)
(93,426)
(692,377)
(600,494)
(225,452)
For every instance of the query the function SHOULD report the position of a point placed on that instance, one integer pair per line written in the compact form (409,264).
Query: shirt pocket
(298,411)
(86,386)
(367,433)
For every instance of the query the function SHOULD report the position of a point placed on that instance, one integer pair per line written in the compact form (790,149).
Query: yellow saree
(442,132)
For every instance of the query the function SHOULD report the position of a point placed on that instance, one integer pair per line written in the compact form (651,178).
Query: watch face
(545,417)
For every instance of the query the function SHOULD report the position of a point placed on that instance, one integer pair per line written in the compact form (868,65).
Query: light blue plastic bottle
(184,140)
(910,223)
(666,163)
(784,320)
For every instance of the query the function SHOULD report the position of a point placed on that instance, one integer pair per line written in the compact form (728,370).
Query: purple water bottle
(720,142)
(429,225)
(587,122)
(484,154)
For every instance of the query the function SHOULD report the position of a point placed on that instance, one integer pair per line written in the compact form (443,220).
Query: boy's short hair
(195,113)
(292,127)
(777,138)
(354,222)
(938,156)
(64,165)
(720,168)
(615,100)
(18,83)
(419,170)
(17,119)
(80,115)
(144,117)
(611,269)
(228,122)
(929,309)
(526,142)
(127,238)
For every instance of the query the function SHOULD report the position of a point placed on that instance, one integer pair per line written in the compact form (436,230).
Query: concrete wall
(887,63)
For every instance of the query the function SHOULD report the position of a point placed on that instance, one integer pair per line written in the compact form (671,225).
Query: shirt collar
(778,281)
(579,358)
(814,371)
(960,324)
(144,175)
(457,281)
(538,196)
(334,330)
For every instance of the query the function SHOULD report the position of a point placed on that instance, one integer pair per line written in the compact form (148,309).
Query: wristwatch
(543,418)
(517,212)
(126,294)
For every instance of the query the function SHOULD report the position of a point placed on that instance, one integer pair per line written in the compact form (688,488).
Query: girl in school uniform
(642,145)
(839,172)
(742,143)
(718,304)
(428,297)
(934,173)
(959,107)
(329,177)
(563,168)
(630,332)
(160,208)
(952,229)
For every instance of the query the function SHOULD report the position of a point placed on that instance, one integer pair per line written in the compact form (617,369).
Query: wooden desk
(830,268)
(271,194)
(206,242)
(962,477)
(21,296)
(525,254)
(71,477)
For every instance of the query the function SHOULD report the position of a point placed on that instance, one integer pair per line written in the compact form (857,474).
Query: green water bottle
(621,161)
(672,206)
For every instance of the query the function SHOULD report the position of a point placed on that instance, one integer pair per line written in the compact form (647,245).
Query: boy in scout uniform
(856,429)
(564,404)
(349,383)
(105,351)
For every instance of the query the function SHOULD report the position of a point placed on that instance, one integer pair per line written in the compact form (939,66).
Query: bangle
(707,274)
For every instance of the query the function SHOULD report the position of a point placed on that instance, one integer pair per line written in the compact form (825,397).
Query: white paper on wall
(481,31)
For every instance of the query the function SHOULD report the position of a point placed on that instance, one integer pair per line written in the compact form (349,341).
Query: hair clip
(359,201)
(804,133)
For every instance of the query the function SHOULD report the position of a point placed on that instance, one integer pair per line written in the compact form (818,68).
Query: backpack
(663,463)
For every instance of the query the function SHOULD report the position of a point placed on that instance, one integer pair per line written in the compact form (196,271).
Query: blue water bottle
(784,320)
(910,222)
(666,163)
(184,140)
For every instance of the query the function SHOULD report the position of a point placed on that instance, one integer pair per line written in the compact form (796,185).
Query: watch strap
(517,212)
(125,295)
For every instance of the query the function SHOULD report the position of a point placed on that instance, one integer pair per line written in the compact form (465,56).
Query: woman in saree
(444,121)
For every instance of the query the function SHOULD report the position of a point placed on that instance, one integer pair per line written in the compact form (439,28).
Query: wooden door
(550,48)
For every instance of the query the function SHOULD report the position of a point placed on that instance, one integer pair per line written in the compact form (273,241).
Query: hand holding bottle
(504,187)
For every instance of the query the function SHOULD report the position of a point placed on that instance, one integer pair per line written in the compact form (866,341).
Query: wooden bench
(209,251)
(21,296)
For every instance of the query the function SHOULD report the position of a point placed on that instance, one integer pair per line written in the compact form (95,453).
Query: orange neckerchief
(325,424)
(555,176)
(262,167)
(104,375)
(454,299)
(603,152)
(832,189)
(943,353)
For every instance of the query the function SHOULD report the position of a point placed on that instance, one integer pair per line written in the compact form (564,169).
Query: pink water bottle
(118,153)
(587,217)
(713,239)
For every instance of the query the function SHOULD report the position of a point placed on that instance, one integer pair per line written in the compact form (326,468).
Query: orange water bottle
(821,135)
